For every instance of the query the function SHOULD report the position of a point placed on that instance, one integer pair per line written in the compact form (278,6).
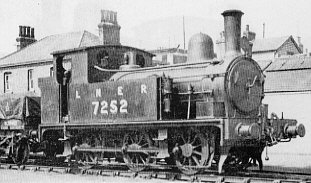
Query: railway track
(165,173)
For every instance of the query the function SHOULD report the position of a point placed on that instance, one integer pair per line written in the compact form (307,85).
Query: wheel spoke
(194,147)
(142,159)
(145,144)
(131,159)
(136,158)
(87,158)
(140,139)
(197,152)
(129,139)
(189,137)
(183,139)
(195,160)
(136,139)
(190,161)
(93,158)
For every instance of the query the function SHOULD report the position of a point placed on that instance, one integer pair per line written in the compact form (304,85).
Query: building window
(7,82)
(51,72)
(30,80)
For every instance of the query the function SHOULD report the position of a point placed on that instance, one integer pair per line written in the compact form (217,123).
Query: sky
(151,24)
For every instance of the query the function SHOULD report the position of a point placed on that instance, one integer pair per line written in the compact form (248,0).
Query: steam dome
(200,47)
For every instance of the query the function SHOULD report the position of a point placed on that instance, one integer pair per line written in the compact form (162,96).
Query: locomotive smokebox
(232,23)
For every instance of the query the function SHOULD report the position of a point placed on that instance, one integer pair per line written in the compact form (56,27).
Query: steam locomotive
(113,106)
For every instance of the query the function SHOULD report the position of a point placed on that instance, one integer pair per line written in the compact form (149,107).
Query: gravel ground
(18,176)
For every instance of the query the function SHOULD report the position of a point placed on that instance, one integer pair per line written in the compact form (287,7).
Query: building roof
(292,74)
(269,44)
(288,81)
(290,63)
(264,64)
(41,50)
(83,48)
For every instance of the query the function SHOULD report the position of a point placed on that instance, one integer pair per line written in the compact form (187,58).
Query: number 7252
(105,108)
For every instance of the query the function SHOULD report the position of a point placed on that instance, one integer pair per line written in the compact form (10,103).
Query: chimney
(232,23)
(109,30)
(26,37)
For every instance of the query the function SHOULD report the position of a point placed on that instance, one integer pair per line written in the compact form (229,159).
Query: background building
(267,48)
(270,48)
(20,70)
(169,56)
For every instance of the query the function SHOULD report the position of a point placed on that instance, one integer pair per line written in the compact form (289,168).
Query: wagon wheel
(20,155)
(193,152)
(136,161)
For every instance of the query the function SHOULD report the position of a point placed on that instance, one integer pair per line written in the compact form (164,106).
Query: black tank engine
(207,113)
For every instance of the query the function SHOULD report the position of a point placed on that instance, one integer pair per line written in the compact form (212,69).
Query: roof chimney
(32,33)
(26,37)
(20,31)
(109,30)
(23,31)
(232,23)
(28,32)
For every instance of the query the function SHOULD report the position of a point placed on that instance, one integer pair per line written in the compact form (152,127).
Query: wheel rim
(136,161)
(195,150)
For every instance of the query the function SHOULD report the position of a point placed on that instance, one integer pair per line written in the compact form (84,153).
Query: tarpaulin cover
(19,106)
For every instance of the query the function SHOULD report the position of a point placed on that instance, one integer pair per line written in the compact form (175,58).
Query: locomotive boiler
(206,113)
